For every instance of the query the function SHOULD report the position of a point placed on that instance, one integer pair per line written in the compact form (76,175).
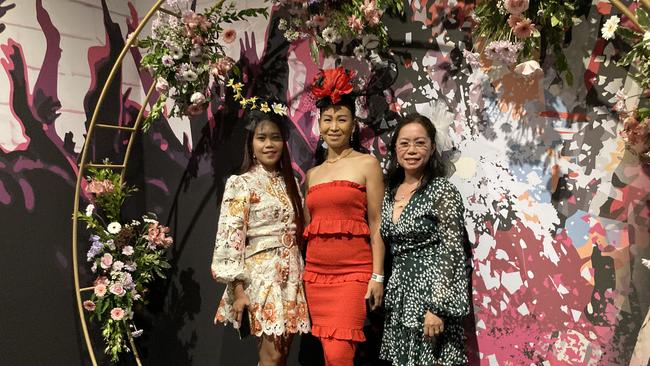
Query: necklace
(344,155)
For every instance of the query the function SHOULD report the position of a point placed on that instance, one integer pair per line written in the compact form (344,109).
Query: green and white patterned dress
(429,272)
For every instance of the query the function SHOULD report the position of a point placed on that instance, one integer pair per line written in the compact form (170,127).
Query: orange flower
(254,198)
(268,312)
(302,311)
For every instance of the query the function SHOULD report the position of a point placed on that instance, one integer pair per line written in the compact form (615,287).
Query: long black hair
(435,167)
(348,101)
(256,118)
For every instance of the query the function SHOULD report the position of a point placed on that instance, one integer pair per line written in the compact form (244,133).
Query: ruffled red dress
(339,260)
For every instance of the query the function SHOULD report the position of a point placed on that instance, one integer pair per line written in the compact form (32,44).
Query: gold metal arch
(84,164)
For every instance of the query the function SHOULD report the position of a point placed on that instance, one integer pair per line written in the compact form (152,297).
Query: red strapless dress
(339,260)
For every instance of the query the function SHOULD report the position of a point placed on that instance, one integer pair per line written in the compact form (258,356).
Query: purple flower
(94,250)
(503,52)
(94,238)
(167,60)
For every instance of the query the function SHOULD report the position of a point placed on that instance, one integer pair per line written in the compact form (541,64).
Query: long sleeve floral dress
(429,272)
(255,244)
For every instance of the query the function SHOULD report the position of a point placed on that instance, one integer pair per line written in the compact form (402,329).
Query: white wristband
(377,278)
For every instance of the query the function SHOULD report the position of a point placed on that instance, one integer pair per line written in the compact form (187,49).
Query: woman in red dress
(345,253)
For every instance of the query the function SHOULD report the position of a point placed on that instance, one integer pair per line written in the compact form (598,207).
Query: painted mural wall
(557,209)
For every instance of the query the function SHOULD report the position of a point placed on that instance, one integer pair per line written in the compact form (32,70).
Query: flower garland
(125,258)
(185,55)
(340,27)
(254,102)
(511,31)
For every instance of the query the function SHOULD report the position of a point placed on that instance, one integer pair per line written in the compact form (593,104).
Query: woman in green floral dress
(427,295)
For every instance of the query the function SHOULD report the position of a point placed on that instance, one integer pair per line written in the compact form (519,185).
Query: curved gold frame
(83,164)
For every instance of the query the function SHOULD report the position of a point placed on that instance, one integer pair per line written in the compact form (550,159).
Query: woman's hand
(241,302)
(375,294)
(433,325)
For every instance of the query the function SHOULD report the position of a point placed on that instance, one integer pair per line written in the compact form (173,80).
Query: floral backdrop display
(548,157)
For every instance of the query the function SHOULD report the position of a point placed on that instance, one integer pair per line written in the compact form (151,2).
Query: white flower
(127,250)
(197,98)
(189,75)
(359,51)
(646,262)
(610,27)
(329,35)
(646,36)
(94,267)
(90,209)
(149,221)
(136,333)
(279,109)
(118,265)
(114,227)
(282,24)
(176,53)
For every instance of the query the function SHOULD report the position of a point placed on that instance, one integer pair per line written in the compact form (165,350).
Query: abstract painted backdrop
(557,210)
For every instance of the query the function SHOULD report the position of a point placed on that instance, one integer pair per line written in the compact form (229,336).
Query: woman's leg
(338,352)
(273,350)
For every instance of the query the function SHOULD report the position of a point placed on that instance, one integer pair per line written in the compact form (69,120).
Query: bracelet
(377,278)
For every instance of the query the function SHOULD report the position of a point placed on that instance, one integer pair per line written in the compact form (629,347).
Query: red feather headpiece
(332,83)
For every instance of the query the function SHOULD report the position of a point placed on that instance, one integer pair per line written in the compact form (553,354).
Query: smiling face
(413,148)
(336,125)
(267,144)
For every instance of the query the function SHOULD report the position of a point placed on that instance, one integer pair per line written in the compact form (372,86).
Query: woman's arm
(228,256)
(375,195)
(450,292)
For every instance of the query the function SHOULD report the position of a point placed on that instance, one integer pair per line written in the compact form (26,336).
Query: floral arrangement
(511,31)
(638,35)
(124,257)
(186,57)
(351,27)
(254,102)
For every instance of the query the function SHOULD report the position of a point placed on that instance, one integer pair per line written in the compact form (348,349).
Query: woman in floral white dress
(256,251)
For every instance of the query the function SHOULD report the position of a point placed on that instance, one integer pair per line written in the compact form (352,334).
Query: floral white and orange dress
(256,244)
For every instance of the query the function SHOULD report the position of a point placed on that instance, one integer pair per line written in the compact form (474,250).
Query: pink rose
(229,35)
(117,289)
(89,305)
(319,20)
(222,66)
(370,12)
(100,290)
(516,6)
(355,23)
(117,314)
(107,261)
(95,187)
(162,86)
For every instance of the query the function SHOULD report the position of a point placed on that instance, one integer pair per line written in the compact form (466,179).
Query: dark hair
(348,101)
(254,119)
(435,166)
